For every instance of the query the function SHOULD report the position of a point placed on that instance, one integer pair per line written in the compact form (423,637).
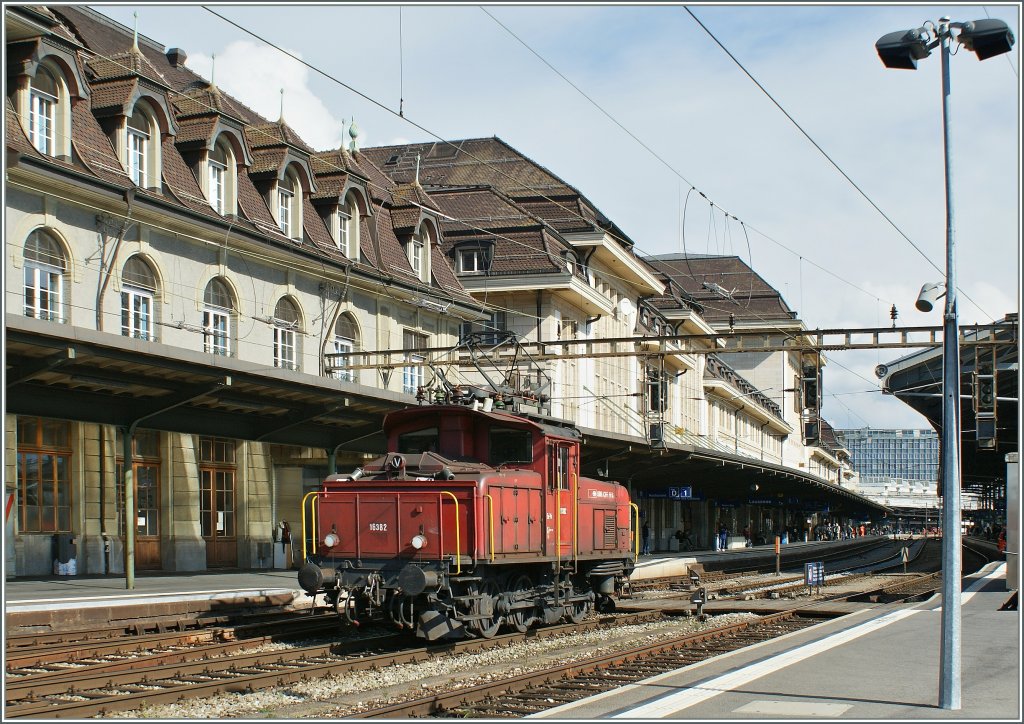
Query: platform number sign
(814,574)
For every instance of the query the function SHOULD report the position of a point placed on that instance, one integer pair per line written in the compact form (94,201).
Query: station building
(192,288)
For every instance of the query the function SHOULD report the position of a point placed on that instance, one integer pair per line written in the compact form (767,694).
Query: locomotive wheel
(486,603)
(579,611)
(520,619)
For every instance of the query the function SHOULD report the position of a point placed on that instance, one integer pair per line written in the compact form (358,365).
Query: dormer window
(218,172)
(348,228)
(417,249)
(473,261)
(43,99)
(221,187)
(138,147)
(285,199)
(287,204)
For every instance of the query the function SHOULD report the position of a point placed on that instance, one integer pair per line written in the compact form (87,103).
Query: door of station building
(217,501)
(146,482)
(146,495)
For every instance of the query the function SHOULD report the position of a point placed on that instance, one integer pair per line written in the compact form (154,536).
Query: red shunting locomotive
(478,519)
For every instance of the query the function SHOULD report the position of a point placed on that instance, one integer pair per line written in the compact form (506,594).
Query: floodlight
(930,293)
(903,48)
(986,38)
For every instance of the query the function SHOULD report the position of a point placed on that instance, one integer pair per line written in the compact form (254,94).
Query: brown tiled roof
(267,160)
(724,286)
(275,134)
(468,163)
(411,194)
(203,99)
(367,238)
(17,140)
(93,146)
(252,203)
(481,209)
(338,161)
(112,94)
(405,220)
(181,180)
(492,162)
(318,234)
(130,63)
(199,128)
(442,272)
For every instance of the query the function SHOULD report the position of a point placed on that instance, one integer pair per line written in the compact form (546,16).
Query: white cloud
(256,74)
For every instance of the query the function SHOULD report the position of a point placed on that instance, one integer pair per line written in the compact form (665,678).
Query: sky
(672,139)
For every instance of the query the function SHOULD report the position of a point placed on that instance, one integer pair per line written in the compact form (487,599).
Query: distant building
(898,468)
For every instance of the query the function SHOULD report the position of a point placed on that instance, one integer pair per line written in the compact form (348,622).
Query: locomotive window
(558,467)
(510,446)
(418,441)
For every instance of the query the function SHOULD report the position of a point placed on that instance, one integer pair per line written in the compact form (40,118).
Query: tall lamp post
(902,49)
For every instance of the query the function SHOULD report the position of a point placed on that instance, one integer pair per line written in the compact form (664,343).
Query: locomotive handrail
(490,507)
(575,521)
(312,517)
(636,532)
(458,555)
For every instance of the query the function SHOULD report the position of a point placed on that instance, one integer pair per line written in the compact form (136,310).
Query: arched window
(218,164)
(139,149)
(289,205)
(42,116)
(218,308)
(286,327)
(348,228)
(138,288)
(45,266)
(418,251)
(346,339)
(220,178)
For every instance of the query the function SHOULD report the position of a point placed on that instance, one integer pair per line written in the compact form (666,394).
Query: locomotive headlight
(331,540)
(418,542)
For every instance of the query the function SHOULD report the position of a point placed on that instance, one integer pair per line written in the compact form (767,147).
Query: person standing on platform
(723,537)
(645,533)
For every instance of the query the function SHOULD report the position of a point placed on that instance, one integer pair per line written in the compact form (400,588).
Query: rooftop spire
(135,33)
(353,132)
(417,169)
(213,68)
(280,118)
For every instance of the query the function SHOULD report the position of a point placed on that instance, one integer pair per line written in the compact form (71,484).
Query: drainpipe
(105,266)
(101,435)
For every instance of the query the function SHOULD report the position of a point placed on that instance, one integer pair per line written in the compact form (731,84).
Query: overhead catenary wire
(677,173)
(500,172)
(482,230)
(828,157)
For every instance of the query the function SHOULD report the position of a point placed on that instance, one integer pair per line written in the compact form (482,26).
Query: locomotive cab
(476,520)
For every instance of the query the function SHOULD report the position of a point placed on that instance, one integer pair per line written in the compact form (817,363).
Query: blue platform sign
(683,492)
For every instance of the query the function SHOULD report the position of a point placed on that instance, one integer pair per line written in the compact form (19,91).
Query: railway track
(83,693)
(35,653)
(530,693)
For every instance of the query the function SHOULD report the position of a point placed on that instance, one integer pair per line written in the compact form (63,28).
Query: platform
(881,663)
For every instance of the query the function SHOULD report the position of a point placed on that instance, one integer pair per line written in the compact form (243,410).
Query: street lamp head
(930,293)
(903,48)
(986,38)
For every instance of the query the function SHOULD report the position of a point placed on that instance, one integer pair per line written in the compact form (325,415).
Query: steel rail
(256,671)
